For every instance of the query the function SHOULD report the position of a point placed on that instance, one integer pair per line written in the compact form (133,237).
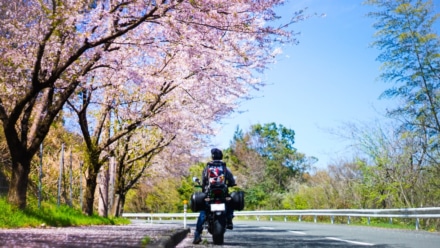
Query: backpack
(216,173)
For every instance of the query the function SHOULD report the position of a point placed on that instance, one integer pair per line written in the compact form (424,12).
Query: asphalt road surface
(302,234)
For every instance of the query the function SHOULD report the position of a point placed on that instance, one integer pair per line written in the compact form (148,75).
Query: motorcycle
(215,200)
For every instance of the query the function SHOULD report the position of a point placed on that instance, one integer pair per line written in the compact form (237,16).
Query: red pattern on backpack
(216,175)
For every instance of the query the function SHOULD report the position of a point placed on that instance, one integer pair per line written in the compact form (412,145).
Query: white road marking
(299,233)
(351,242)
(266,227)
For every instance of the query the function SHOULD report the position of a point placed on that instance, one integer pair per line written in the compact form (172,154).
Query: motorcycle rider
(217,156)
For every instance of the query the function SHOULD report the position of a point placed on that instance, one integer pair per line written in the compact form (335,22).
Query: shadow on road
(252,236)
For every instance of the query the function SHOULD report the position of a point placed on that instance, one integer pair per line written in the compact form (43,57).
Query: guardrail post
(184,213)
(369,220)
(332,219)
(258,218)
(285,218)
(271,218)
(348,221)
(314,218)
(299,218)
(417,224)
(391,220)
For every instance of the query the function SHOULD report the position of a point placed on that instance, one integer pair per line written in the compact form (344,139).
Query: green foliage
(288,201)
(273,140)
(186,189)
(300,202)
(313,196)
(266,161)
(49,215)
(274,143)
(255,198)
(164,197)
(295,201)
(146,240)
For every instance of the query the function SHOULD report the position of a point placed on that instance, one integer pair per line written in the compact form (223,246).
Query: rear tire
(218,232)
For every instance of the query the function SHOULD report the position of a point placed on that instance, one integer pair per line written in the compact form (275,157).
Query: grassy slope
(50,215)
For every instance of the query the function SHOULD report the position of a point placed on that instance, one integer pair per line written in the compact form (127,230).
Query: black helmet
(216,154)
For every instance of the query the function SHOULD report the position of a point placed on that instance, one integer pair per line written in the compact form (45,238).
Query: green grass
(49,215)
(145,241)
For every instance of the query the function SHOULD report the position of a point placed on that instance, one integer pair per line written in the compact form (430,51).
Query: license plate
(217,207)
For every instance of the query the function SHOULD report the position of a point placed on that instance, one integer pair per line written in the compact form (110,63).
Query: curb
(170,241)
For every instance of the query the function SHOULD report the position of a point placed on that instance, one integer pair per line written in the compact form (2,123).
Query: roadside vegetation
(275,176)
(49,214)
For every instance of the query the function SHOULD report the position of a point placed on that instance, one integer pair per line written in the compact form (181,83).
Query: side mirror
(196,179)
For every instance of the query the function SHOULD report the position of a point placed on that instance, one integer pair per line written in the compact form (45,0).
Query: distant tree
(133,157)
(410,53)
(164,196)
(266,162)
(345,184)
(248,165)
(274,143)
(391,166)
(187,186)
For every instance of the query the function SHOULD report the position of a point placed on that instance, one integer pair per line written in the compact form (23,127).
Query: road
(302,234)
(100,236)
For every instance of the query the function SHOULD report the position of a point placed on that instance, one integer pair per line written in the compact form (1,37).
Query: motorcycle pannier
(197,202)
(238,200)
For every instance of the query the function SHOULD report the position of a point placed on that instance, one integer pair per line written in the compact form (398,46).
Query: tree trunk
(19,181)
(103,198)
(89,194)
(119,206)
(93,166)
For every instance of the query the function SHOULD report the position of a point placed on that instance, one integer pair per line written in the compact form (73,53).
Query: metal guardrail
(415,213)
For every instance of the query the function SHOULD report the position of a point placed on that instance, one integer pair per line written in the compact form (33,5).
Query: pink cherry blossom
(123,55)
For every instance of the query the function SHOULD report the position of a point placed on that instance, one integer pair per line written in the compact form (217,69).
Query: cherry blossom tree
(205,52)
(46,49)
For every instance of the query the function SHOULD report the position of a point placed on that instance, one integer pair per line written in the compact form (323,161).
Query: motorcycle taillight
(217,192)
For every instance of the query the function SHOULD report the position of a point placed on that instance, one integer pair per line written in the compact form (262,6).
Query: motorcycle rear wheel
(218,232)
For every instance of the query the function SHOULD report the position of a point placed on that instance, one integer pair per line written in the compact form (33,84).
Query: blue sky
(329,78)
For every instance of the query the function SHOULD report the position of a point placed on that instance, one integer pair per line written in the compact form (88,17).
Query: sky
(330,78)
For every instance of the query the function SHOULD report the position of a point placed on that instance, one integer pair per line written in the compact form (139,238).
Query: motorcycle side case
(197,201)
(237,200)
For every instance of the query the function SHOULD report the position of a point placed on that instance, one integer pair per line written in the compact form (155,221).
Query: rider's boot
(229,224)
(197,238)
